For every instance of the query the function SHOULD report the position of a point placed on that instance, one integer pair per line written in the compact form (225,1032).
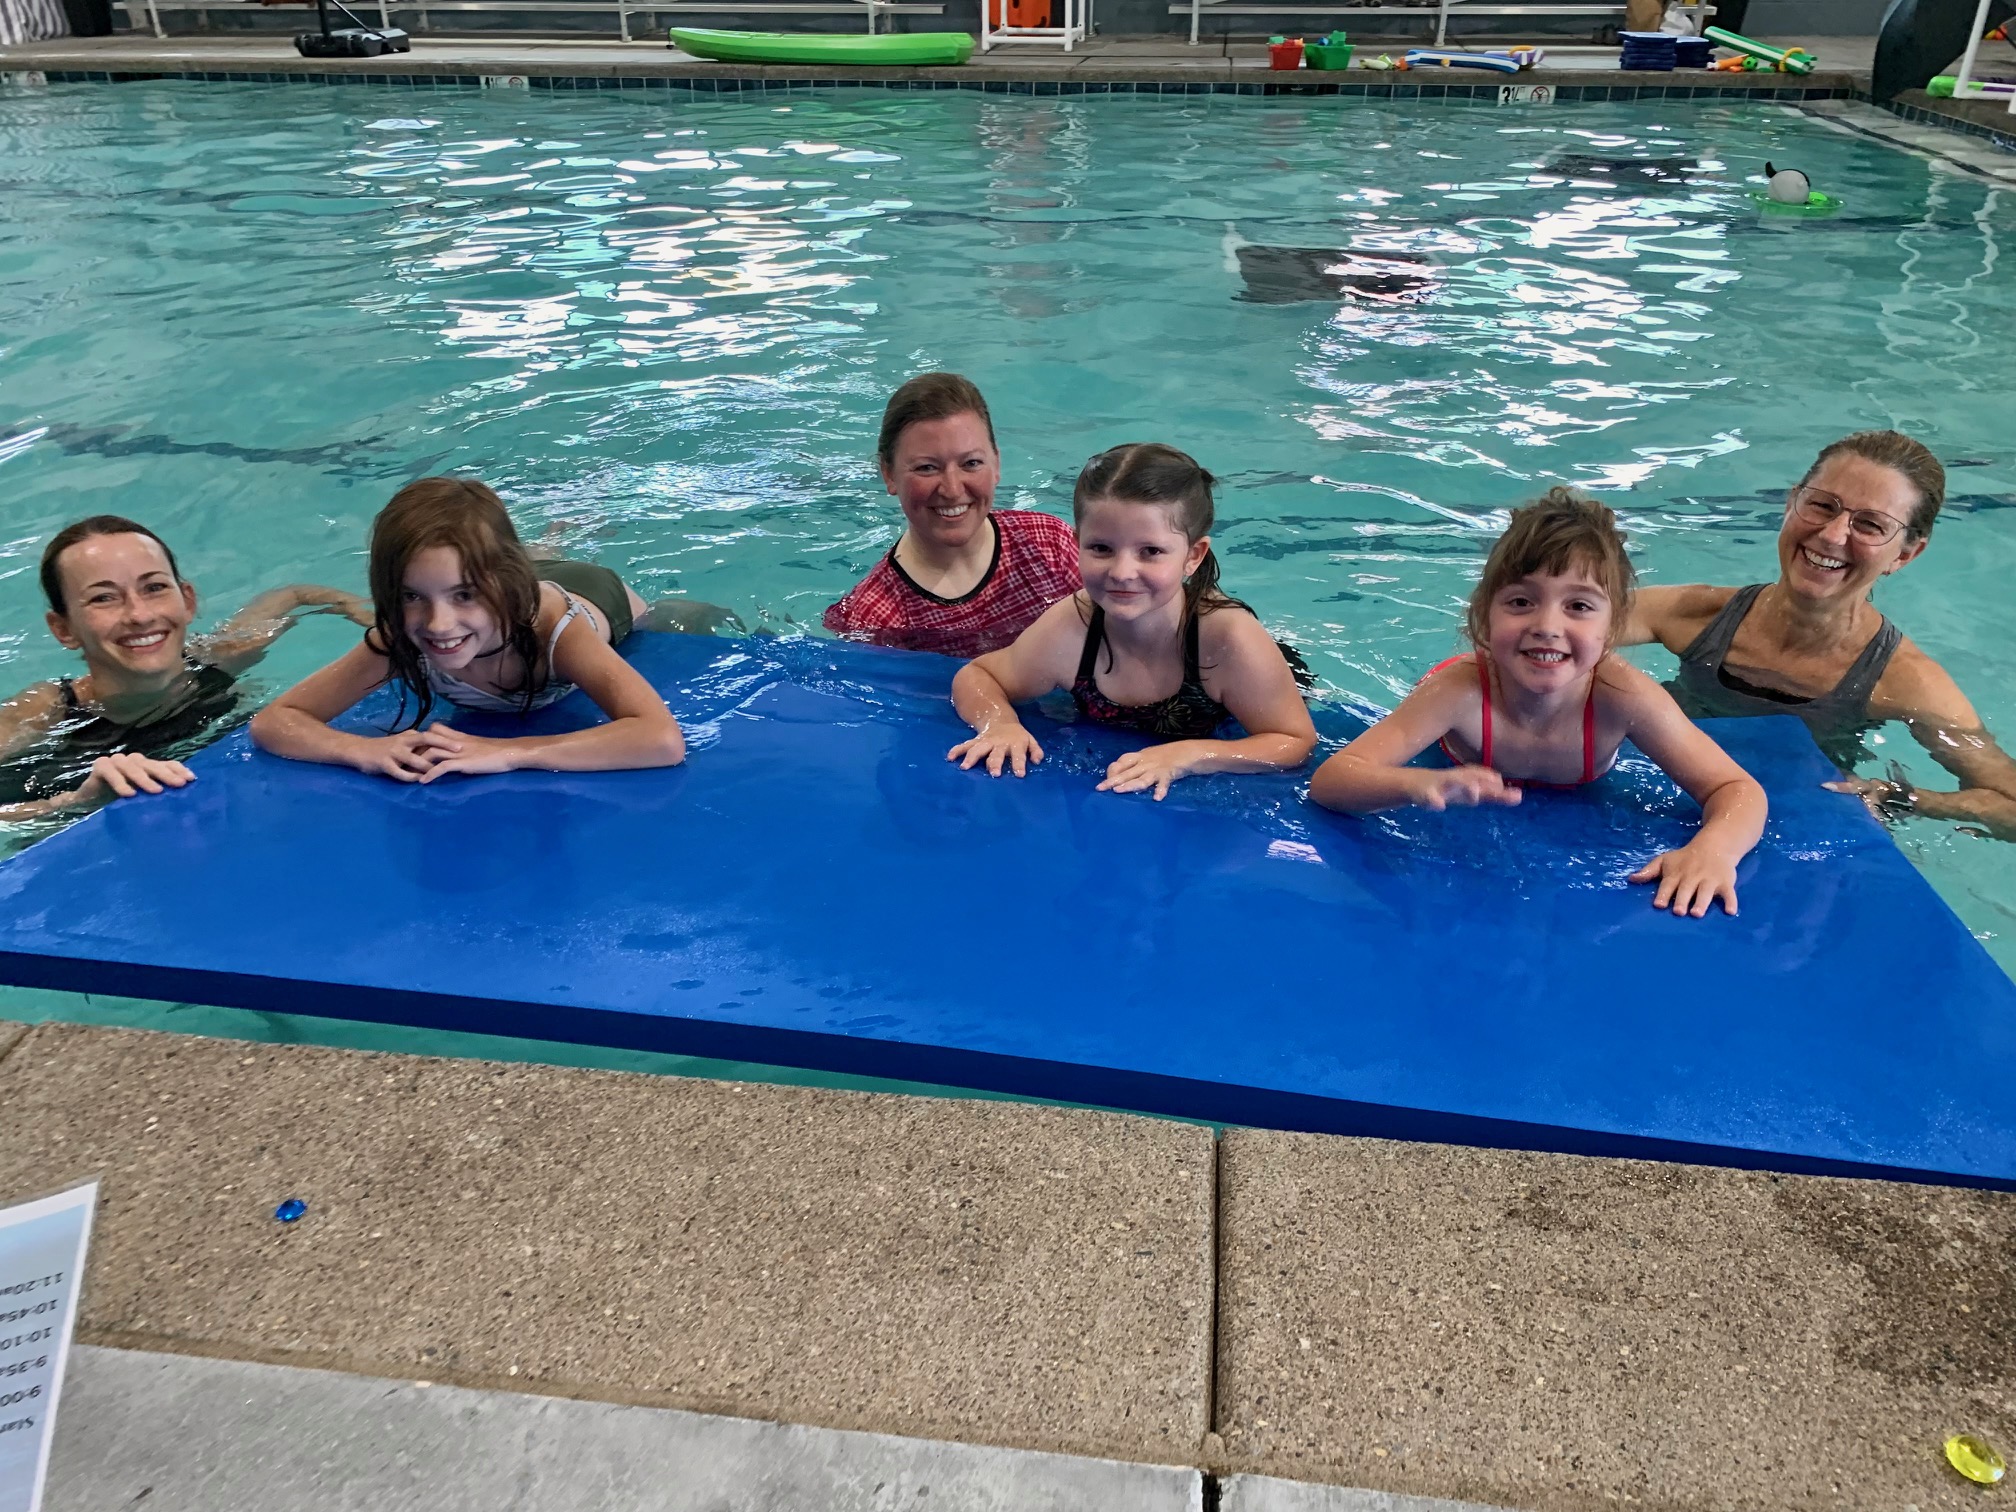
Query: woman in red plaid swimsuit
(965,578)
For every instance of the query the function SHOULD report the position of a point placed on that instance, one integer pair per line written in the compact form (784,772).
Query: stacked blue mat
(818,887)
(1693,52)
(1649,52)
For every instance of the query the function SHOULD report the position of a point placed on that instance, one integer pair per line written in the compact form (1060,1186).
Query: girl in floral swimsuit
(1150,645)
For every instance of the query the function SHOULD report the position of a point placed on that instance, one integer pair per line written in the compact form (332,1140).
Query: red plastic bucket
(1285,54)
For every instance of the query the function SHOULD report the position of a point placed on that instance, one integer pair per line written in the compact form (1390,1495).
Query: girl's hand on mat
(475,755)
(408,756)
(998,745)
(1463,787)
(124,775)
(1690,879)
(1156,768)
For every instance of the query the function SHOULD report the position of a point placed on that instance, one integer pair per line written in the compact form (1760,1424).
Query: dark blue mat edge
(1132,1091)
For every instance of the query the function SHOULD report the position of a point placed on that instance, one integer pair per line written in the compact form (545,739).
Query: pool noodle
(1789,59)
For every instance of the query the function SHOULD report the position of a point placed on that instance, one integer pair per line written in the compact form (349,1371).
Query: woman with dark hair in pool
(1812,644)
(149,692)
(964,578)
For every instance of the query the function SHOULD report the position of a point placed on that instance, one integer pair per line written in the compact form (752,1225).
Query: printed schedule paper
(41,1270)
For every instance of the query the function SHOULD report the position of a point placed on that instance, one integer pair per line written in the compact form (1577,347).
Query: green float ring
(1816,204)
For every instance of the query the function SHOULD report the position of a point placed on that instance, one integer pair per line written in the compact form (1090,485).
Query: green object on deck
(1791,59)
(1326,54)
(910,49)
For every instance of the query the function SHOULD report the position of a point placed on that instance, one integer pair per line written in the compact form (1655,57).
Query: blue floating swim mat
(818,887)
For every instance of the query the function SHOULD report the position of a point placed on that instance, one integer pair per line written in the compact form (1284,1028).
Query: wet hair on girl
(1898,452)
(467,516)
(83,530)
(1558,532)
(928,396)
(1147,472)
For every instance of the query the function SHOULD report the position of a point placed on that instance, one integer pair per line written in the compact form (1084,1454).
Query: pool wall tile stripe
(2003,139)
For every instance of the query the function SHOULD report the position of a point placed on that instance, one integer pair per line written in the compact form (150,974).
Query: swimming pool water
(664,326)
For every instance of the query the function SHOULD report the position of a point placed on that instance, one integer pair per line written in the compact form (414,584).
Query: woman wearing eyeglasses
(1813,645)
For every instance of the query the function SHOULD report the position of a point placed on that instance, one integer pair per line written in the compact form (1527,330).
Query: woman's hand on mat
(1462,787)
(1156,768)
(409,755)
(1690,879)
(1883,799)
(356,610)
(474,755)
(127,774)
(1009,745)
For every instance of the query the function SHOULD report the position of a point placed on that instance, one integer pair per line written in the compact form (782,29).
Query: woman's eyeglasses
(1818,507)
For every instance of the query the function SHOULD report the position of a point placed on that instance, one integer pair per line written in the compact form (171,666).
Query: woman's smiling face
(1834,560)
(123,607)
(944,473)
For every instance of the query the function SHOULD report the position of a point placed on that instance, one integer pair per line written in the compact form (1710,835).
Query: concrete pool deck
(1547,1333)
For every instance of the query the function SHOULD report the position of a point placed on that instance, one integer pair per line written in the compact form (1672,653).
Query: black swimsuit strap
(68,689)
(1095,636)
(1095,633)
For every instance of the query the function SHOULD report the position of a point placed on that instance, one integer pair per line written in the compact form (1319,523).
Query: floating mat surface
(818,887)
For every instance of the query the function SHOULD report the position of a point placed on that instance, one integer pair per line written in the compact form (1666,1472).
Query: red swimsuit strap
(1588,726)
(1589,733)
(1484,687)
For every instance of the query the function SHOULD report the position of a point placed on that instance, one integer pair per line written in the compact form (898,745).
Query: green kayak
(912,48)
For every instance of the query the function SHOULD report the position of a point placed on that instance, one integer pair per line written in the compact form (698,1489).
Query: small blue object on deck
(291,1209)
(818,887)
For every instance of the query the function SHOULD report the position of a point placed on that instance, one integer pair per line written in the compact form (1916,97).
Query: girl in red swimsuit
(1150,645)
(1543,702)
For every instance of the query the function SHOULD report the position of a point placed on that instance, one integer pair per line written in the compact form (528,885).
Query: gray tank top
(1837,717)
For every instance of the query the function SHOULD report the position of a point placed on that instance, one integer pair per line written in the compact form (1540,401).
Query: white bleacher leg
(1193,22)
(1442,23)
(154,16)
(1966,75)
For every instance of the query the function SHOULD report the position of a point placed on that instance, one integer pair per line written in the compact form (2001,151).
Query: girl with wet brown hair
(464,615)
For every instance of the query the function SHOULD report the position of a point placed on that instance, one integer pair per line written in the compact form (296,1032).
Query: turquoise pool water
(664,327)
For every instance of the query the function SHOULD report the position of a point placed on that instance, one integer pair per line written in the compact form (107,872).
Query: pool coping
(1227,78)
